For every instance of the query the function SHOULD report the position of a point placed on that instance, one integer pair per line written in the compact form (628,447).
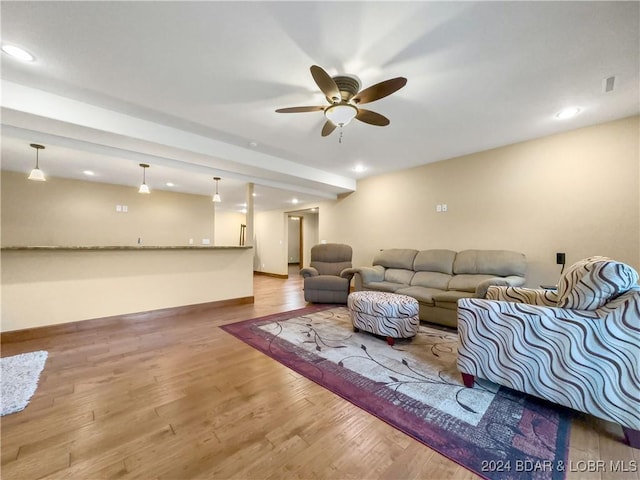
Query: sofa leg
(468,380)
(390,341)
(356,329)
(632,436)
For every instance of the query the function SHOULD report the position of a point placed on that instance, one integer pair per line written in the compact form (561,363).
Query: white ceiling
(186,86)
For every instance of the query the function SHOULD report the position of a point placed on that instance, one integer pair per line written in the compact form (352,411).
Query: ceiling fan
(344,95)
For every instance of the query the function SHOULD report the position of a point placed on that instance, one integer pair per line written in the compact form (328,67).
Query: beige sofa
(438,278)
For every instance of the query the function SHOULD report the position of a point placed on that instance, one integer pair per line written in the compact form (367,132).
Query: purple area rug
(414,386)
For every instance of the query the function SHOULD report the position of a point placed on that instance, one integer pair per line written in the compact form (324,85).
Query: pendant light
(143,187)
(36,174)
(216,196)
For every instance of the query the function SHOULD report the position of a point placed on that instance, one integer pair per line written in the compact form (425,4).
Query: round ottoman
(381,313)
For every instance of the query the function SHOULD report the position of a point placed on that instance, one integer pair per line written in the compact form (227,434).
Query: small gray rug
(19,376)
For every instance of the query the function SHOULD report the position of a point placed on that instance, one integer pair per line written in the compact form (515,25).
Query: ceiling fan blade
(326,83)
(329,127)
(299,109)
(380,90)
(372,118)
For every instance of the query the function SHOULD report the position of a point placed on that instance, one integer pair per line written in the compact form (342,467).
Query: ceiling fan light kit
(341,114)
(344,95)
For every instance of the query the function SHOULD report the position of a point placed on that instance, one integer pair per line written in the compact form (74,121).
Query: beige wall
(270,242)
(73,212)
(272,237)
(575,192)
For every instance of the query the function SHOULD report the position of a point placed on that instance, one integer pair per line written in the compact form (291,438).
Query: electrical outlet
(438,208)
(444,207)
(118,208)
(206,241)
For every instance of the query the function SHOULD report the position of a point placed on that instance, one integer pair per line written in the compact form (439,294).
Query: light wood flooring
(173,396)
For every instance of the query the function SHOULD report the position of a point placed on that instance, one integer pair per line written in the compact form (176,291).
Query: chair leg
(390,341)
(632,436)
(467,379)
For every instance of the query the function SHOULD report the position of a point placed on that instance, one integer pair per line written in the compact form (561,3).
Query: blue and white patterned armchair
(578,347)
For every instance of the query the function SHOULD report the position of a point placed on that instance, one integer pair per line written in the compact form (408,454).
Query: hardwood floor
(176,397)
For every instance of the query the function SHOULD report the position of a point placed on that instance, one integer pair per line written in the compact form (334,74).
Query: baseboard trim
(82,325)
(274,275)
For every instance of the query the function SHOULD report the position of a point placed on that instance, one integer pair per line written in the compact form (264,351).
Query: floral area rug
(415,386)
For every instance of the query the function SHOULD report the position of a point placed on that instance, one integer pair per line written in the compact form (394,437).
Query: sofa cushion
(593,282)
(494,262)
(431,280)
(449,299)
(396,258)
(434,261)
(424,295)
(398,275)
(467,283)
(384,286)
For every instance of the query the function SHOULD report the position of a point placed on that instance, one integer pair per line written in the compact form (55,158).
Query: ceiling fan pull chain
(340,138)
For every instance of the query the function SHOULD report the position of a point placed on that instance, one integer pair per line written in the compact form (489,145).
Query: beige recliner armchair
(325,280)
(578,347)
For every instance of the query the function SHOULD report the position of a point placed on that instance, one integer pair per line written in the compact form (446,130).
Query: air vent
(608,84)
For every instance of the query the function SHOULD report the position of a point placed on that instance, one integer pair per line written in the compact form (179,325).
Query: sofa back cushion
(434,261)
(500,263)
(467,283)
(396,258)
(431,280)
(398,275)
(593,282)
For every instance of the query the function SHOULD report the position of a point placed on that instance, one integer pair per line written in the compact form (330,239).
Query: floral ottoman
(387,314)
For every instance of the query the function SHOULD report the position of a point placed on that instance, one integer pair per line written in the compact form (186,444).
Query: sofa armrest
(510,281)
(348,273)
(309,272)
(371,274)
(531,296)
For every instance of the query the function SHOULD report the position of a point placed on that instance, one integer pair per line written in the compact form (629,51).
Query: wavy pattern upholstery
(586,359)
(386,314)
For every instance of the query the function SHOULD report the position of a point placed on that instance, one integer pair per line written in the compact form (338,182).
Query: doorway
(302,235)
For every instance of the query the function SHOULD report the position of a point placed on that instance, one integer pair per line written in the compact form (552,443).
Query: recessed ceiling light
(294,201)
(18,53)
(253,144)
(254,194)
(88,173)
(568,112)
(359,168)
(170,184)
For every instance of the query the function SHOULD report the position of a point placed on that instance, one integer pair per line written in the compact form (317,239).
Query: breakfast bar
(47,285)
